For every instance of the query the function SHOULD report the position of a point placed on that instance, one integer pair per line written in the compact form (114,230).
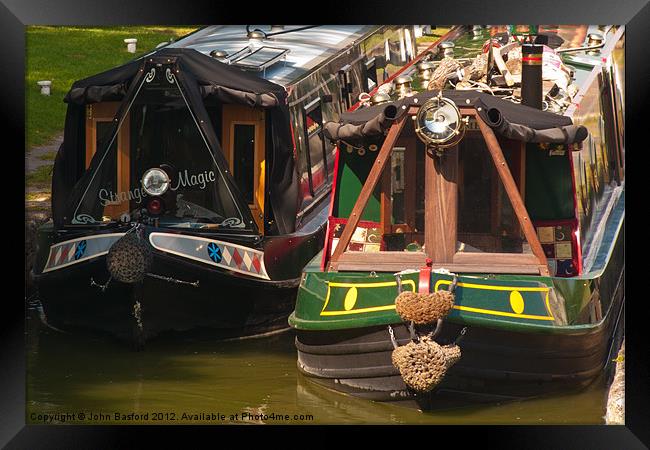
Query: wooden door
(243,135)
(99,119)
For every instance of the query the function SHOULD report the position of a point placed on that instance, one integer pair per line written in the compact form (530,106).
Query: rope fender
(130,258)
(422,309)
(423,363)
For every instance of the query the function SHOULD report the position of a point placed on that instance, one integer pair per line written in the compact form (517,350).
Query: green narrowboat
(475,241)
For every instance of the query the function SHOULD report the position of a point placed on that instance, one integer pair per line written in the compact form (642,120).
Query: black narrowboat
(193,183)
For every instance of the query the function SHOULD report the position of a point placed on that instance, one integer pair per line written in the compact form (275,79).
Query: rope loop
(392,337)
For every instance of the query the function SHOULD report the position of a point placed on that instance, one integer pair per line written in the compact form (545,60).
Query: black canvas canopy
(204,78)
(508,119)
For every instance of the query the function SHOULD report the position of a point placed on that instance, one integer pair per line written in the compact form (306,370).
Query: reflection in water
(210,382)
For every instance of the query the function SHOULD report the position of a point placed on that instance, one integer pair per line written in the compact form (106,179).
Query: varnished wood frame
(105,112)
(441,211)
(243,115)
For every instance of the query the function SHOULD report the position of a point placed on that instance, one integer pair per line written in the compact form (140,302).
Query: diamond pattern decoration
(227,255)
(237,257)
(247,260)
(57,258)
(70,252)
(256,264)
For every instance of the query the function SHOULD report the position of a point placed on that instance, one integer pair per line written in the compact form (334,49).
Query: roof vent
(258,59)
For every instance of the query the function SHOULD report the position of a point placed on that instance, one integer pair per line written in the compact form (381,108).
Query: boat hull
(496,365)
(223,304)
(188,292)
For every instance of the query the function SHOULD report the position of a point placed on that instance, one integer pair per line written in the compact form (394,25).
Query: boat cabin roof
(283,58)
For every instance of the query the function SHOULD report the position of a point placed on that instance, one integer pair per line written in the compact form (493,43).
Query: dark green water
(89,374)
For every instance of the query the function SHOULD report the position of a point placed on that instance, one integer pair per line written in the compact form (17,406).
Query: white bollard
(45,86)
(130,45)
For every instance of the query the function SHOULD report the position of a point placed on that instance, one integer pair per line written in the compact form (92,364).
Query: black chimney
(531,75)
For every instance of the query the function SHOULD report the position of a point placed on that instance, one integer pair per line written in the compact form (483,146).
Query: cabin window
(610,123)
(244,159)
(370,71)
(317,154)
(486,219)
(346,85)
(162,132)
(394,51)
(410,53)
(407,186)
(397,183)
(402,46)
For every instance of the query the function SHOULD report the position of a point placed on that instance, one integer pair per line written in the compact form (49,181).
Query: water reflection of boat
(481,260)
(199,174)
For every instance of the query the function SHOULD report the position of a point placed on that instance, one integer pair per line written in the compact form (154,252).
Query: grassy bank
(66,54)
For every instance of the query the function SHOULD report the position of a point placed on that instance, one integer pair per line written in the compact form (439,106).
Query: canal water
(85,378)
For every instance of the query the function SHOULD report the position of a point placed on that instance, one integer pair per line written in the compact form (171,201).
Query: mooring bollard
(45,86)
(130,44)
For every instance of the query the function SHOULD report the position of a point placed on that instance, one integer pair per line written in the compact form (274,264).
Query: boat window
(610,125)
(313,120)
(349,89)
(162,133)
(370,74)
(410,52)
(486,219)
(404,197)
(618,82)
(392,50)
(402,47)
(244,158)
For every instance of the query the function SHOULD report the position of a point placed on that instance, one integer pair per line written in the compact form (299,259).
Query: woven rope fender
(129,259)
(424,308)
(423,365)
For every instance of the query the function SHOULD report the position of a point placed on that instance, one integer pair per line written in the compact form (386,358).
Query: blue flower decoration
(214,252)
(81,249)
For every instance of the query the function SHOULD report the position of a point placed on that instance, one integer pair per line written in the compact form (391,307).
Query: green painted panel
(352,172)
(549,187)
(349,300)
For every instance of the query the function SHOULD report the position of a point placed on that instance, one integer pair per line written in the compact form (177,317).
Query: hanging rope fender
(423,309)
(423,363)
(129,258)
